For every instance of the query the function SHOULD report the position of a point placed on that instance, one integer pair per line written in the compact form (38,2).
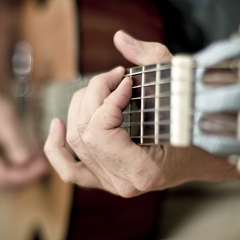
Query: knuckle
(161,50)
(98,80)
(67,176)
(48,147)
(144,180)
(88,138)
(78,94)
(72,140)
(144,184)
(126,190)
(81,125)
(95,79)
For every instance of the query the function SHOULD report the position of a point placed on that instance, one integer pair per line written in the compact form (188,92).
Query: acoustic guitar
(43,208)
(192,100)
(170,103)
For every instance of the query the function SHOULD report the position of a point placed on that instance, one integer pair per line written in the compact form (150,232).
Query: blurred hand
(109,158)
(21,162)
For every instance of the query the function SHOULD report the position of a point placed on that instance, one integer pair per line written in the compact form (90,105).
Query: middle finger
(99,88)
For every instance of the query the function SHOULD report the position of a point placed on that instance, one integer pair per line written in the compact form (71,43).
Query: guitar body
(44,207)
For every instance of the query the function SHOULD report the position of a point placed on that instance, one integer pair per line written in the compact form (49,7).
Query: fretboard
(57,97)
(147,117)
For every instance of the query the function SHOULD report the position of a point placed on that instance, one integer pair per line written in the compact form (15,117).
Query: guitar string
(127,124)
(153,110)
(167,137)
(160,95)
(163,109)
(135,71)
(167,122)
(166,133)
(168,81)
(83,82)
(79,84)
(75,86)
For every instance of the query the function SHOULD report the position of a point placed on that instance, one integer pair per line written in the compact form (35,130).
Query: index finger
(98,89)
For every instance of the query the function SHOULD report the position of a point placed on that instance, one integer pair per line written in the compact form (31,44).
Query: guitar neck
(168,102)
(157,96)
(159,92)
(56,98)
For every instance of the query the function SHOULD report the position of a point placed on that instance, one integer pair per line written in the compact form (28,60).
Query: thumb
(139,52)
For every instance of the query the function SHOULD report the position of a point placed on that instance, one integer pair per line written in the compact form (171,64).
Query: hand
(109,159)
(21,163)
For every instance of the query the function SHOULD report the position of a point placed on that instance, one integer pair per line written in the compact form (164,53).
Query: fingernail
(128,39)
(53,126)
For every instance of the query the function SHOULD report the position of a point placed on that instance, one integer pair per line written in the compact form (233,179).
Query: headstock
(217,98)
(175,102)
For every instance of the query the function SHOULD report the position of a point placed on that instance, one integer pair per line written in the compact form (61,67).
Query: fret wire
(142,104)
(168,66)
(129,118)
(130,110)
(157,104)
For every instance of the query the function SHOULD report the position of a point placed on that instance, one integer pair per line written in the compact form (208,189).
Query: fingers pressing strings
(67,167)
